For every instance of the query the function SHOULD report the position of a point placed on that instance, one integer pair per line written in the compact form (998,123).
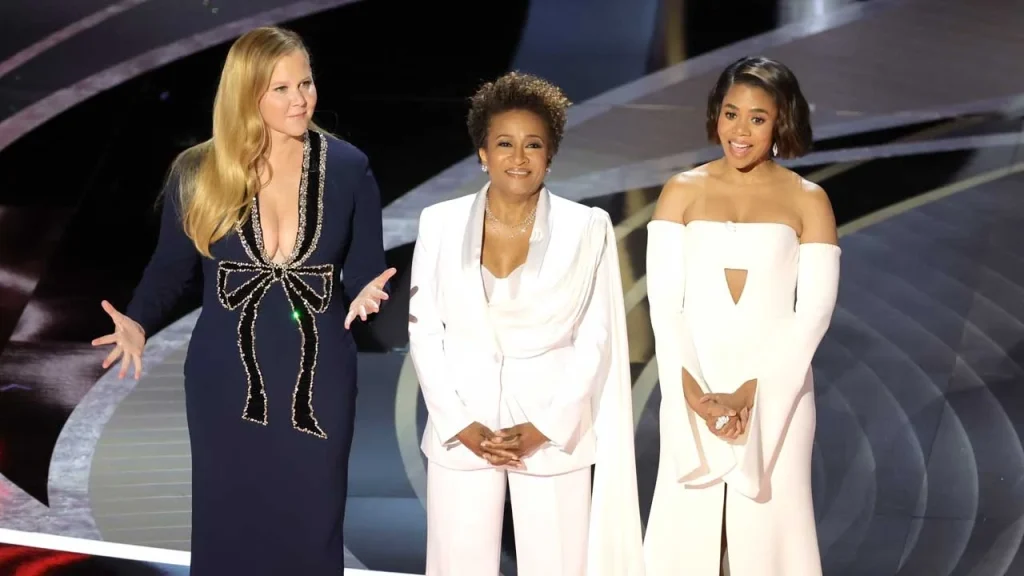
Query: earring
(483,167)
(775,149)
(549,169)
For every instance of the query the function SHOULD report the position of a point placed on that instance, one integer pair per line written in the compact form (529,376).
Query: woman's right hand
(128,339)
(710,412)
(476,433)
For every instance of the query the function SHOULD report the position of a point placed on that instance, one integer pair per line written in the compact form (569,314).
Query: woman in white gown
(517,331)
(743,271)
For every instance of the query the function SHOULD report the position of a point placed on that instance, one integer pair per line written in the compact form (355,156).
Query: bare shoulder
(679,193)
(816,215)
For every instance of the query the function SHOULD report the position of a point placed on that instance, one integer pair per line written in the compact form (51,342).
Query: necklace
(510,230)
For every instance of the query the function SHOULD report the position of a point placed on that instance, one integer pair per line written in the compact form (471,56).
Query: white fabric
(556,356)
(462,371)
(501,289)
(765,336)
(465,510)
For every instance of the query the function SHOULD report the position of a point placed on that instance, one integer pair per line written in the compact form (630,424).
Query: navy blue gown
(270,375)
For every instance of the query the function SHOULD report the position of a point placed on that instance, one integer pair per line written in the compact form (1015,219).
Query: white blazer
(466,376)
(557,356)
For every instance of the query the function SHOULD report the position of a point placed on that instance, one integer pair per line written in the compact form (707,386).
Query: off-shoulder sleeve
(786,363)
(448,414)
(675,350)
(173,266)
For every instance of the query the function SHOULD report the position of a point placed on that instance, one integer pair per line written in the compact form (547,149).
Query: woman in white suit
(517,332)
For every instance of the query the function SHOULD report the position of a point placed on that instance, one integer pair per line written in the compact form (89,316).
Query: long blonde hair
(219,178)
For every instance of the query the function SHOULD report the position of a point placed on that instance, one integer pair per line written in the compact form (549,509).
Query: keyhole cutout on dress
(737,281)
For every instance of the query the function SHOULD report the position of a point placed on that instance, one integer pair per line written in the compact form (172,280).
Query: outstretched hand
(369,298)
(128,339)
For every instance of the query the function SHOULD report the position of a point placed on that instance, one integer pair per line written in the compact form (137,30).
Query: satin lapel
(540,240)
(472,249)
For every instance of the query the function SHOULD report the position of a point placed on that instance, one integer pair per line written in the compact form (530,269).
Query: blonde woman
(275,214)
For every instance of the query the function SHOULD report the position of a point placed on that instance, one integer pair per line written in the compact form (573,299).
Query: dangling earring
(549,169)
(775,149)
(483,167)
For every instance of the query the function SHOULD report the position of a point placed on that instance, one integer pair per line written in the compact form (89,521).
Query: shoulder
(811,200)
(432,216)
(565,208)
(810,193)
(576,216)
(179,185)
(345,155)
(186,164)
(679,192)
(573,223)
(190,158)
(817,218)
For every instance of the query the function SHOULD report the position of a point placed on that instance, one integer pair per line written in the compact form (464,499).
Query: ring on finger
(721,422)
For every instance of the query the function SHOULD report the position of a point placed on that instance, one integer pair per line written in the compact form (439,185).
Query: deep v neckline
(301,220)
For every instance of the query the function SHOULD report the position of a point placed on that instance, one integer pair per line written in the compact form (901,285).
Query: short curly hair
(792,130)
(518,91)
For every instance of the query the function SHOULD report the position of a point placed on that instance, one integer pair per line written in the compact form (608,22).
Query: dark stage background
(78,195)
(79,218)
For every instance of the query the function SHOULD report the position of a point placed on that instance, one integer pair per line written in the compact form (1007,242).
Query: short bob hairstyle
(792,131)
(518,91)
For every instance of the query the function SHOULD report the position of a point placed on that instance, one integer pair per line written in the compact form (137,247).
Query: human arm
(817,284)
(693,452)
(365,280)
(786,363)
(171,268)
(448,415)
(666,269)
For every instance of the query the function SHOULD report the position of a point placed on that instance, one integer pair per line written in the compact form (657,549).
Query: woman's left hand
(369,298)
(519,441)
(736,401)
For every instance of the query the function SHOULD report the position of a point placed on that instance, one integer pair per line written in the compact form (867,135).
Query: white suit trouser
(465,510)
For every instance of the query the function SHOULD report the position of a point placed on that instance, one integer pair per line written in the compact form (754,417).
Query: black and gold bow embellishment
(305,301)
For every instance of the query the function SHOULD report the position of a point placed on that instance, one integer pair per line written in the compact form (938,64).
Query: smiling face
(517,151)
(288,104)
(746,125)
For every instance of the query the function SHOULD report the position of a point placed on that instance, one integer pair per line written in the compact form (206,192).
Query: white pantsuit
(546,346)
(551,517)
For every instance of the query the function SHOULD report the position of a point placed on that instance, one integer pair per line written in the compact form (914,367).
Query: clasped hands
(727,415)
(506,447)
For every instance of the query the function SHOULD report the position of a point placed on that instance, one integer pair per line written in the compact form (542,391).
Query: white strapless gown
(768,510)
